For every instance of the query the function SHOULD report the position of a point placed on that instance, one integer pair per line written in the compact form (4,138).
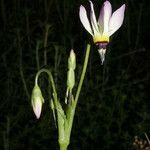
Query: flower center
(101,39)
(102,45)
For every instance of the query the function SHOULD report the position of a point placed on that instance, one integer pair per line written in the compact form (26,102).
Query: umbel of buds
(37,100)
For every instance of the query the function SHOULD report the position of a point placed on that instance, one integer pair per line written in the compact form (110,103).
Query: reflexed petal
(84,19)
(116,20)
(93,19)
(101,20)
(104,17)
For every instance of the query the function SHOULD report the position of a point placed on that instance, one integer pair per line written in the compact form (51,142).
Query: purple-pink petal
(105,14)
(116,20)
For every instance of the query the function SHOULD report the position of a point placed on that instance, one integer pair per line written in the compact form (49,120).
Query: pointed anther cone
(102,53)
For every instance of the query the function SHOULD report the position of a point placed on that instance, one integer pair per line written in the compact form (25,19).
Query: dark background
(114,102)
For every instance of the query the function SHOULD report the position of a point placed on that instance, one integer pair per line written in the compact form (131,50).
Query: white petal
(84,20)
(104,17)
(116,20)
(93,19)
(37,108)
(38,112)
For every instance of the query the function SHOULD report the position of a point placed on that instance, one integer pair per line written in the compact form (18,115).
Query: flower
(37,100)
(108,23)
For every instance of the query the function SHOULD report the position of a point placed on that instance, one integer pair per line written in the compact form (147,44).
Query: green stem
(52,83)
(83,73)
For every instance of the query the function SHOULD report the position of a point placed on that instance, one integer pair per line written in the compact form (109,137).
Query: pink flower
(106,25)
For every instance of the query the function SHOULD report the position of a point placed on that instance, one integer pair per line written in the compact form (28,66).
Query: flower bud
(71,79)
(37,100)
(70,74)
(72,60)
(71,68)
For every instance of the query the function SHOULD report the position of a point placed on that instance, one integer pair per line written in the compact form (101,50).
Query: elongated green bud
(71,72)
(72,60)
(71,79)
(37,100)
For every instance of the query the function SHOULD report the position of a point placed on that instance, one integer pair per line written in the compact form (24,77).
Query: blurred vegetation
(114,102)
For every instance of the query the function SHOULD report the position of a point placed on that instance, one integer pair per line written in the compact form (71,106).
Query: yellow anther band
(100,38)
